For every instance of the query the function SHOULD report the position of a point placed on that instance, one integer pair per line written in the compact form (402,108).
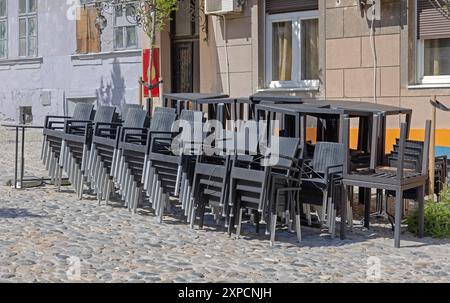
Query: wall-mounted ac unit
(222,7)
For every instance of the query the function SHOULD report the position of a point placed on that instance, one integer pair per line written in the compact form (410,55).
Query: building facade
(52,56)
(393,52)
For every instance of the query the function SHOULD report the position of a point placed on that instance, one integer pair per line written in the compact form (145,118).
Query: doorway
(185,63)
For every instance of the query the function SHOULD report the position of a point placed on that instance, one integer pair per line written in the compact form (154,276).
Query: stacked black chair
(134,154)
(413,157)
(441,174)
(170,161)
(106,149)
(255,187)
(76,146)
(211,180)
(126,107)
(319,180)
(54,130)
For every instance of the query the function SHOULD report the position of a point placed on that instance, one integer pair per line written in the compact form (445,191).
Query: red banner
(155,71)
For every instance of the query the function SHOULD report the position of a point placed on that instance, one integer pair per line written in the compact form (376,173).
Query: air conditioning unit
(222,7)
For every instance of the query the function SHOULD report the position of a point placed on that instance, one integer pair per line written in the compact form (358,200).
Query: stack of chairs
(413,160)
(320,181)
(76,146)
(211,181)
(133,155)
(168,168)
(440,175)
(54,130)
(106,149)
(265,190)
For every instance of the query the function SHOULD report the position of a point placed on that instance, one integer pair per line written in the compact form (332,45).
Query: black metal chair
(76,146)
(318,181)
(441,174)
(211,180)
(167,167)
(126,107)
(106,149)
(54,130)
(255,185)
(396,179)
(133,156)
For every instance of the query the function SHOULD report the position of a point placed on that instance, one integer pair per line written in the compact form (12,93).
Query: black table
(373,125)
(21,179)
(181,101)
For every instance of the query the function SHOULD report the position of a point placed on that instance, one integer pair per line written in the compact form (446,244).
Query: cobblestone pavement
(43,233)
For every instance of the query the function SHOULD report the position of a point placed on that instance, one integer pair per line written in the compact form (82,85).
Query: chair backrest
(136,118)
(163,119)
(287,147)
(105,114)
(247,139)
(327,154)
(127,107)
(191,116)
(83,111)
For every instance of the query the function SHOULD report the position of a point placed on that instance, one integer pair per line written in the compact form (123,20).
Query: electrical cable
(374,53)
(227,60)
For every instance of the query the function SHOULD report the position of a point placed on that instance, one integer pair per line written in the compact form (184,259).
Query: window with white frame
(125,35)
(3,29)
(292,53)
(434,61)
(433,43)
(28,37)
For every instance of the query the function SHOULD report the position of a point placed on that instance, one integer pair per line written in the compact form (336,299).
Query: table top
(333,107)
(193,96)
(299,108)
(276,99)
(10,125)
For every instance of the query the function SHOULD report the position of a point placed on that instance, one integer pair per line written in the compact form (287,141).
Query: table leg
(22,160)
(16,158)
(361,195)
(343,211)
(398,217)
(367,198)
(421,198)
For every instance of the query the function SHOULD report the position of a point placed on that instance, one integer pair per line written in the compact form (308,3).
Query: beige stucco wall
(238,36)
(346,63)
(349,60)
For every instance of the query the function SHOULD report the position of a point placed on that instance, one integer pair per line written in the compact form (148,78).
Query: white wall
(108,77)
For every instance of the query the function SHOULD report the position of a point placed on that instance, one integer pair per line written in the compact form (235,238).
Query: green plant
(437,217)
(446,5)
(153,16)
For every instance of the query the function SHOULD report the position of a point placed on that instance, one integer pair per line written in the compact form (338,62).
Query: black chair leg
(257,219)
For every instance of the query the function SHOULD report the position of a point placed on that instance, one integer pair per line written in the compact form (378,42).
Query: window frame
(5,19)
(27,15)
(124,31)
(296,18)
(422,79)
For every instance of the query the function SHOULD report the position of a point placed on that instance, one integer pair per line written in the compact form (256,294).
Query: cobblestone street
(42,231)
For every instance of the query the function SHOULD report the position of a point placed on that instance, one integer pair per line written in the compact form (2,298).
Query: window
(435,57)
(124,27)
(87,34)
(3,29)
(28,28)
(292,53)
(433,47)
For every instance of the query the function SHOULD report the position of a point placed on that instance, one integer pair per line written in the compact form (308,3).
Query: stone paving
(45,235)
